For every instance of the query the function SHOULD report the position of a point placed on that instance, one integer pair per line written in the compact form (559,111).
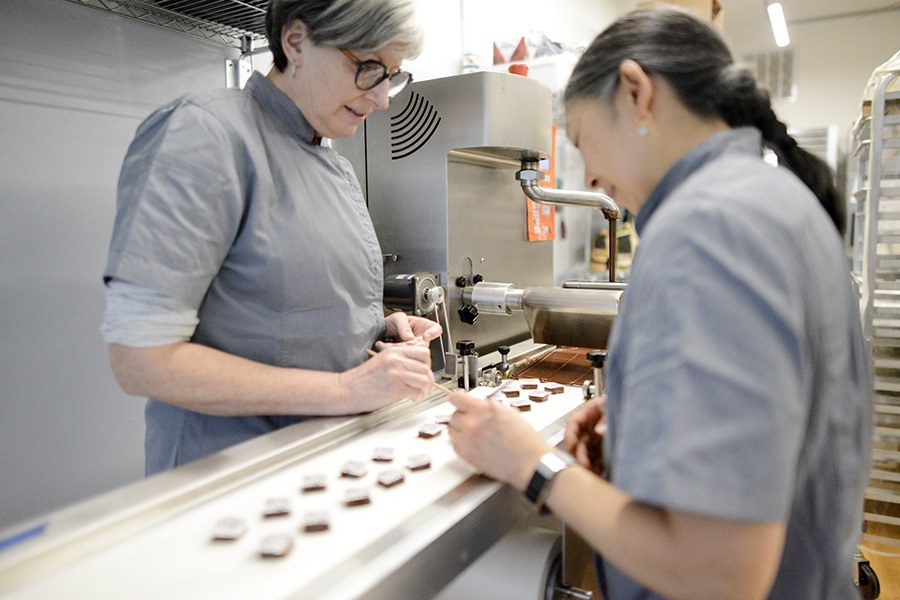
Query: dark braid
(695,61)
(740,102)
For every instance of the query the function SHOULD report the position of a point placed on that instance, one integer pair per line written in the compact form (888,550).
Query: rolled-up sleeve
(176,219)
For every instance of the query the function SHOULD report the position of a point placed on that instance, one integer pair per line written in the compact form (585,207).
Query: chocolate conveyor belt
(154,539)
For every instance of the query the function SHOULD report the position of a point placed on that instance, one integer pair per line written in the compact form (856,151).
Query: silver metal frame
(226,22)
(433,545)
(438,169)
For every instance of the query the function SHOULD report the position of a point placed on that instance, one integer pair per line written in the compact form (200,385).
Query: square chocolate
(430,430)
(277,507)
(229,529)
(529,384)
(276,546)
(538,396)
(418,462)
(357,497)
(554,388)
(314,483)
(383,454)
(353,469)
(316,521)
(520,404)
(391,478)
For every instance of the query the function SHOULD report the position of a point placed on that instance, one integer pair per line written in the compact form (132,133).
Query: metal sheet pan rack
(875,243)
(235,23)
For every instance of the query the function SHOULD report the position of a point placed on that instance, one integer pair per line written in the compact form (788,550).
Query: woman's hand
(584,434)
(403,327)
(397,371)
(495,439)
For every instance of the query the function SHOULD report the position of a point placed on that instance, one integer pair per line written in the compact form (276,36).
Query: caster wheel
(868,582)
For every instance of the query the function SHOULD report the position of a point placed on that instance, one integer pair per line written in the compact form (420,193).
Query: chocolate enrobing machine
(440,171)
(445,172)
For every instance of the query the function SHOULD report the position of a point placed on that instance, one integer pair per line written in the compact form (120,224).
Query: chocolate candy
(538,396)
(356,497)
(229,529)
(522,404)
(442,419)
(511,393)
(353,469)
(554,388)
(383,454)
(277,507)
(391,478)
(314,483)
(430,430)
(529,384)
(315,521)
(276,546)
(418,462)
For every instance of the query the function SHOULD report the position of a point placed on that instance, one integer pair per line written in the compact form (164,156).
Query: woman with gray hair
(729,456)
(244,276)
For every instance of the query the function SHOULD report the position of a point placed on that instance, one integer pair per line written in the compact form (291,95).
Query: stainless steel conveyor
(154,539)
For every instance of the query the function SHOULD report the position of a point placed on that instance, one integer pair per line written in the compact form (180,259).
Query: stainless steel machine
(446,171)
(376,505)
(368,507)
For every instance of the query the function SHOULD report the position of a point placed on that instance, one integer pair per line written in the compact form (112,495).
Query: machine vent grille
(775,72)
(413,126)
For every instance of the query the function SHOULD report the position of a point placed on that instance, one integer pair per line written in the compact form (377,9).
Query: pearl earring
(642,131)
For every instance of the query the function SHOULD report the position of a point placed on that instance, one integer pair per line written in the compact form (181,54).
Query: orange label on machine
(541,218)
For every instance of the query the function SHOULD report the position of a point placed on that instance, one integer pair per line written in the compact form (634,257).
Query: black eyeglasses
(369,73)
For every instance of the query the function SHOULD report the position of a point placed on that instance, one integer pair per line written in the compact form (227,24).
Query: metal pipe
(612,243)
(560,316)
(530,175)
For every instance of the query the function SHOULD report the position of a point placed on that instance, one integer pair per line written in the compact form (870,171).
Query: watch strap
(545,472)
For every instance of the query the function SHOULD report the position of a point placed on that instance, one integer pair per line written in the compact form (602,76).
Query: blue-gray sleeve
(714,409)
(179,204)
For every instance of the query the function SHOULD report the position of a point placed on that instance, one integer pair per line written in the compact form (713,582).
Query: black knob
(503,367)
(465,347)
(597,358)
(468,314)
(477,279)
(462,281)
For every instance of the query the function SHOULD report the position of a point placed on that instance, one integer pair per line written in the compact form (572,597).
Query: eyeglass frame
(385,74)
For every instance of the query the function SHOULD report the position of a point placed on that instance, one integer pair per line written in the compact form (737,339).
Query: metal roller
(559,316)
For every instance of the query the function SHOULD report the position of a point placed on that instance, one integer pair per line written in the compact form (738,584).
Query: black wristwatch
(550,464)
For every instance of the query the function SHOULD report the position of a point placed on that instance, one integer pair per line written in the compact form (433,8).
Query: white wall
(74,84)
(832,63)
(572,22)
(442,23)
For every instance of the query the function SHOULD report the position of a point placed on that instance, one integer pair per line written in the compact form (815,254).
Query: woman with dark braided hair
(729,457)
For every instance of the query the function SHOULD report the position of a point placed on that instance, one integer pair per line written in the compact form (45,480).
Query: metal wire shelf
(235,23)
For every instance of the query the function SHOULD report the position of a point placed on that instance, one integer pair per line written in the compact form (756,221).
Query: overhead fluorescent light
(779,26)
